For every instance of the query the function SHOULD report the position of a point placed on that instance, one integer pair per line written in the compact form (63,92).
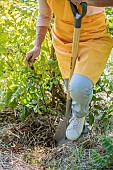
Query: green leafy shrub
(19,84)
(105,160)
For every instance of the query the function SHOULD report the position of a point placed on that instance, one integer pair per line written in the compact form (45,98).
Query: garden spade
(60,136)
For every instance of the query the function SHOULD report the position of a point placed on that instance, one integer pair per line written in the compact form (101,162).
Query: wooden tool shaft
(75,45)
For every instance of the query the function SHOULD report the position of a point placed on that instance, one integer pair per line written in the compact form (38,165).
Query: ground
(29,145)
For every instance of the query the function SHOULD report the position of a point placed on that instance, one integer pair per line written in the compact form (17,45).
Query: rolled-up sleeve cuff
(44,13)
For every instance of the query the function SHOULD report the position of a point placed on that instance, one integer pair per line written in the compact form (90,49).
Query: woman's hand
(32,56)
(77,2)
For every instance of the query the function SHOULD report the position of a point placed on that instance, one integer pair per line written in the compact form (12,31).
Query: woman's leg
(81,90)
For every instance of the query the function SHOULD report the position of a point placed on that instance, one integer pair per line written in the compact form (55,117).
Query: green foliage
(19,84)
(105,160)
(109,12)
(102,102)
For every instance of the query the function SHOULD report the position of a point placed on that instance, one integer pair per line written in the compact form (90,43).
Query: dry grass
(30,145)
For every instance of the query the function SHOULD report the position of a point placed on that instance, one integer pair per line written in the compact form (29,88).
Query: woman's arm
(100,3)
(44,17)
(32,55)
(97,3)
(40,35)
